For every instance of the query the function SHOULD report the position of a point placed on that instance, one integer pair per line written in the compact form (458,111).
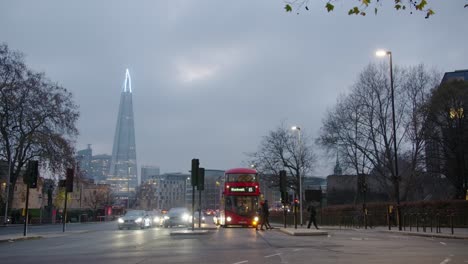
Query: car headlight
(121,221)
(256,219)
(215,219)
(166,217)
(228,219)
(156,219)
(185,217)
(203,218)
(138,220)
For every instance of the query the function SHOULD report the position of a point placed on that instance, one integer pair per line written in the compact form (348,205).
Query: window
(241,178)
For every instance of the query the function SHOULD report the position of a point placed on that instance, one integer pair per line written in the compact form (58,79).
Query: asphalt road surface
(103,243)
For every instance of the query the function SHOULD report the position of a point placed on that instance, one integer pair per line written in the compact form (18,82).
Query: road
(103,243)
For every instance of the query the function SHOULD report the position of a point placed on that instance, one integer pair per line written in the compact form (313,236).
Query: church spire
(337,170)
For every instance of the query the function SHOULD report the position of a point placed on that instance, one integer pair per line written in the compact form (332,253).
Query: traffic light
(282,181)
(32,172)
(69,180)
(284,197)
(195,167)
(201,179)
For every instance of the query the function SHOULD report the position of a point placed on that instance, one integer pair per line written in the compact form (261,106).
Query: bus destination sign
(249,189)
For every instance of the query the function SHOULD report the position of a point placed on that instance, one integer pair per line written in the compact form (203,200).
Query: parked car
(177,216)
(135,218)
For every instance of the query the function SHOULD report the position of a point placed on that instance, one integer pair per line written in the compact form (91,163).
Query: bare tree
(98,197)
(360,126)
(281,150)
(37,118)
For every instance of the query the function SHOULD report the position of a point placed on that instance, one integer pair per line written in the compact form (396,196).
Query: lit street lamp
(298,129)
(382,53)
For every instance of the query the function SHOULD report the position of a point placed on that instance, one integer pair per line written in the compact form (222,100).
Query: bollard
(431,222)
(417,223)
(410,218)
(451,222)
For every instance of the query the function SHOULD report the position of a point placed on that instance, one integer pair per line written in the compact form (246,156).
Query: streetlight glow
(295,128)
(381,53)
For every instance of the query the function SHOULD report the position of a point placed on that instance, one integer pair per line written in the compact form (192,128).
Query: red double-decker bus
(240,197)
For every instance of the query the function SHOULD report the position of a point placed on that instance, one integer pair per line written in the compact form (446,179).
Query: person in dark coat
(265,215)
(312,214)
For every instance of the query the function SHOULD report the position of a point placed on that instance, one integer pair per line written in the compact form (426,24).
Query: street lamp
(298,129)
(382,53)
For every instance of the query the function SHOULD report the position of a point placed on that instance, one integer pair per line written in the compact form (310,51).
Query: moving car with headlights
(135,218)
(177,216)
(156,218)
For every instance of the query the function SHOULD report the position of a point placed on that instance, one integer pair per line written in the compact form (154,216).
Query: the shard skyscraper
(123,170)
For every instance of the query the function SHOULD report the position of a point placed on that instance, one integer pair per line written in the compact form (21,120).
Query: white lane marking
(269,256)
(297,249)
(443,243)
(244,261)
(356,238)
(447,260)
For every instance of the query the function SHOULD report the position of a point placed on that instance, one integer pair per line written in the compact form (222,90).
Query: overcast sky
(211,78)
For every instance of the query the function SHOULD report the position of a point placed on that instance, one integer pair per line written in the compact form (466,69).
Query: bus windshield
(241,178)
(242,205)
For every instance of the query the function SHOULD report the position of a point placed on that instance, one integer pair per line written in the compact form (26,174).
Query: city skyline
(213,90)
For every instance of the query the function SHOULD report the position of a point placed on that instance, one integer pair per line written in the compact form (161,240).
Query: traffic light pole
(193,208)
(64,218)
(199,209)
(26,214)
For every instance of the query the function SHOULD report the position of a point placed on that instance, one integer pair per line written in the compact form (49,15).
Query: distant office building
(148,173)
(443,158)
(94,167)
(123,170)
(169,190)
(100,165)
(211,195)
(84,160)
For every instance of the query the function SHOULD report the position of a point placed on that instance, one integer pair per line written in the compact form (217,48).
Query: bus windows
(241,178)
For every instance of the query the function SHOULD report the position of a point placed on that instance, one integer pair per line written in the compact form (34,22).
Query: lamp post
(382,53)
(7,187)
(298,129)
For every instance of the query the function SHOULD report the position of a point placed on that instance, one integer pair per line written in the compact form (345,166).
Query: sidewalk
(458,233)
(18,237)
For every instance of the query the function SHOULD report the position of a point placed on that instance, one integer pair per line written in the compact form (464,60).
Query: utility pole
(5,220)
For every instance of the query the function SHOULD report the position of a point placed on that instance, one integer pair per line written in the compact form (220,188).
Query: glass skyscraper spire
(123,169)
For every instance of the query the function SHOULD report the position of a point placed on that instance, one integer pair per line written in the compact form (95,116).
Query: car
(135,218)
(156,218)
(177,216)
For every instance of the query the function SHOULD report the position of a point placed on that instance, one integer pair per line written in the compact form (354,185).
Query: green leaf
(366,2)
(429,13)
(288,8)
(330,7)
(421,5)
(398,7)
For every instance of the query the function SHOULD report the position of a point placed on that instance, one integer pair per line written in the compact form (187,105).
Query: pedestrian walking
(265,216)
(312,214)
(260,216)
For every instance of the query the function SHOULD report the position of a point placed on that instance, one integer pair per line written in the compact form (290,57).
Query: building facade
(123,176)
(95,167)
(148,173)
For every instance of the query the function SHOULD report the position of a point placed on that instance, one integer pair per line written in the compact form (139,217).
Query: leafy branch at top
(362,6)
